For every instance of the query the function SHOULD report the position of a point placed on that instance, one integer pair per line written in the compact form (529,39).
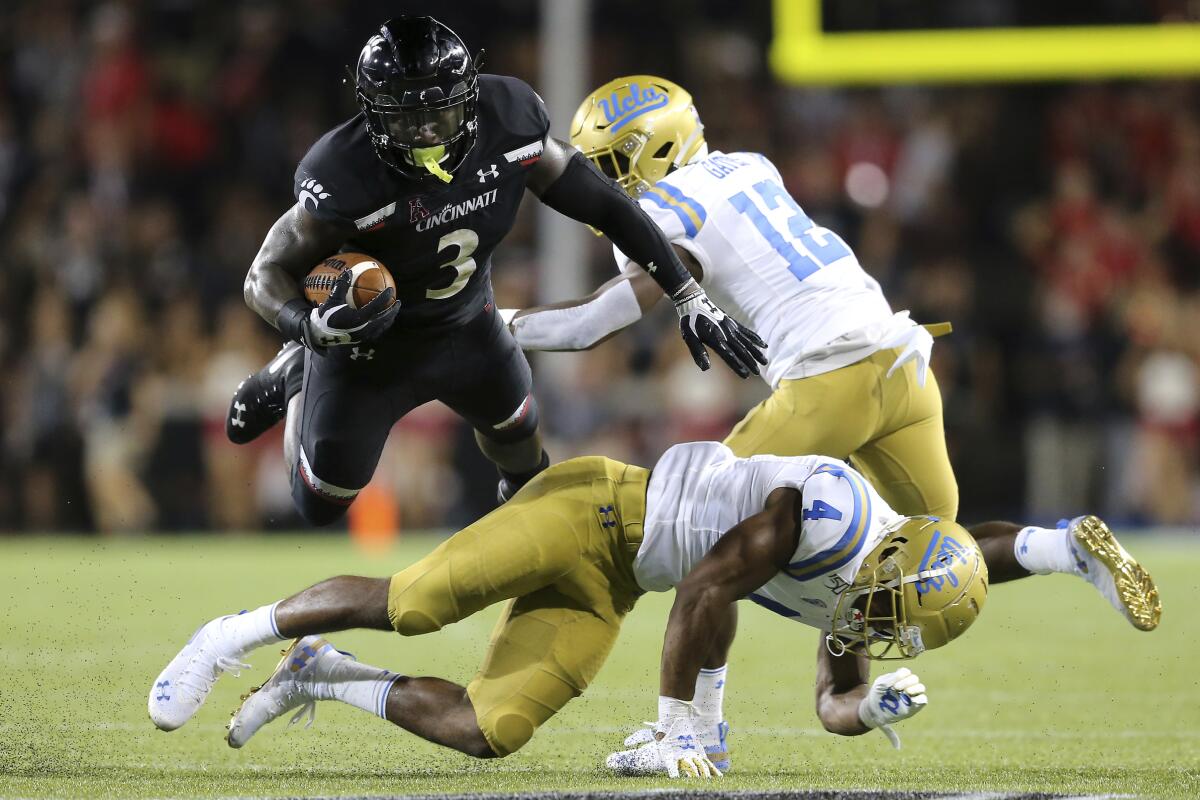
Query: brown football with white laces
(368,279)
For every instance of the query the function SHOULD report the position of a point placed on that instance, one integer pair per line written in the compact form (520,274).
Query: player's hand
(681,751)
(335,323)
(892,698)
(704,325)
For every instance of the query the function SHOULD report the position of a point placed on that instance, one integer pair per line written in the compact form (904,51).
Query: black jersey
(436,238)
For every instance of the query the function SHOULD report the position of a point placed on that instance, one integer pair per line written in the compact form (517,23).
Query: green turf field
(1052,691)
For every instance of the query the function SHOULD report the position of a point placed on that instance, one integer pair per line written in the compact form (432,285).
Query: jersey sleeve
(324,188)
(679,215)
(521,109)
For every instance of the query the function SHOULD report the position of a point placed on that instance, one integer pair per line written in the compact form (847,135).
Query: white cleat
(296,683)
(181,688)
(643,758)
(1103,562)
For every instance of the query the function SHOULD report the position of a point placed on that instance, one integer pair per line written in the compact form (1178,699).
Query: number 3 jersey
(770,266)
(435,238)
(700,490)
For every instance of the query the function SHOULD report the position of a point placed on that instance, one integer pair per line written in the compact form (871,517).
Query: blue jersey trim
(690,227)
(772,605)
(852,541)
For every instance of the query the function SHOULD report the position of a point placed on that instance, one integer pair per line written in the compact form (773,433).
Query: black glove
(334,323)
(702,323)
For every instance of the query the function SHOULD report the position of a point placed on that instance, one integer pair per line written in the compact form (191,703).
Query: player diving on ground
(427,179)
(808,538)
(850,377)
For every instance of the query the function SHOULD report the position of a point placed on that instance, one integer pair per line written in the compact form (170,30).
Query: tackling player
(428,179)
(850,377)
(807,537)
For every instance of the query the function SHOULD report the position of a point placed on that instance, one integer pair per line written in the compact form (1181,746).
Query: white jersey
(770,266)
(699,490)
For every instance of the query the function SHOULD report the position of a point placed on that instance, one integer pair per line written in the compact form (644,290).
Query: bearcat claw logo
(619,110)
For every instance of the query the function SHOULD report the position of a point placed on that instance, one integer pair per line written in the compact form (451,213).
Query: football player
(427,178)
(851,377)
(808,537)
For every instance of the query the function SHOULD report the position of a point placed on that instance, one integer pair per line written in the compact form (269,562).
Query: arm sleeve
(579,327)
(583,194)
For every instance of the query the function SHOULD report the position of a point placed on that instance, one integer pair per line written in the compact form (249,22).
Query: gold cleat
(1108,566)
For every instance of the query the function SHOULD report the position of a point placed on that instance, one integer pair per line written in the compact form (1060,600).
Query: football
(368,278)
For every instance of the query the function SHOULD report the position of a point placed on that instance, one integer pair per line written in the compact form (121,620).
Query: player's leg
(261,400)
(492,388)
(831,414)
(333,446)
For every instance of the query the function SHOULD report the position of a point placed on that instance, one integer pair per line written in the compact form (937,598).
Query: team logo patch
(376,218)
(525,155)
(416,211)
(312,192)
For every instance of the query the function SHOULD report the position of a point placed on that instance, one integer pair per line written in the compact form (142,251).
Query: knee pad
(319,502)
(521,424)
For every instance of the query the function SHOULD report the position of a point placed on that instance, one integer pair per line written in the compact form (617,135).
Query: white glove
(507,314)
(893,697)
(916,345)
(678,745)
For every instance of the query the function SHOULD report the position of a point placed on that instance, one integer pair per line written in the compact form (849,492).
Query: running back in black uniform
(428,179)
(437,241)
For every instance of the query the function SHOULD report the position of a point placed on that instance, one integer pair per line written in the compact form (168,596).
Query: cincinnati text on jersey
(456,210)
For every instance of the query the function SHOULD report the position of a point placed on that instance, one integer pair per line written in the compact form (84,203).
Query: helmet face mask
(922,586)
(418,89)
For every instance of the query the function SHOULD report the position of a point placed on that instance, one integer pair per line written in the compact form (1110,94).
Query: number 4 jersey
(766,263)
(698,491)
(436,238)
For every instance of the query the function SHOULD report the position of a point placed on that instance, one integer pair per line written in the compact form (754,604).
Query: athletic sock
(359,685)
(518,479)
(1044,550)
(710,695)
(252,629)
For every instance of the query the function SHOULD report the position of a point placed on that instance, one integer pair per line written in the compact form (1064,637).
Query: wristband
(290,320)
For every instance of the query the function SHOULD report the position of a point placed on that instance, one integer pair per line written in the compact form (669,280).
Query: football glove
(678,744)
(703,324)
(335,323)
(915,344)
(892,697)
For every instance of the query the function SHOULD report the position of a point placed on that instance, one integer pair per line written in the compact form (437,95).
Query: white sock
(359,685)
(710,695)
(252,629)
(1044,550)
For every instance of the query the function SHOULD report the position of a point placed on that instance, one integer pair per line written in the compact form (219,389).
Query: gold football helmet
(637,129)
(921,587)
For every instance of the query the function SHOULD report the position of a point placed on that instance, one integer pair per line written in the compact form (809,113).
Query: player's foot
(642,756)
(1103,562)
(181,688)
(260,400)
(297,682)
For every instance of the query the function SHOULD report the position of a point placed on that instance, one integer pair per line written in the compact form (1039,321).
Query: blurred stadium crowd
(145,148)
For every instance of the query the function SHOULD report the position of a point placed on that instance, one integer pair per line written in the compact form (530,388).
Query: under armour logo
(607,520)
(686,742)
(162,687)
(238,408)
(651,267)
(488,173)
(356,354)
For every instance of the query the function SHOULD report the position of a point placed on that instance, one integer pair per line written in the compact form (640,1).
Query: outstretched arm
(745,558)
(584,323)
(849,705)
(568,183)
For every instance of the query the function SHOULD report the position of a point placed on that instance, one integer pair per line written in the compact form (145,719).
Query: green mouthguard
(428,158)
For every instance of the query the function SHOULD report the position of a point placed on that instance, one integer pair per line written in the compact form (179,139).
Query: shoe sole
(286,657)
(1135,588)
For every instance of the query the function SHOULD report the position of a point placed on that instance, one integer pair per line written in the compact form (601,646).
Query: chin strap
(428,157)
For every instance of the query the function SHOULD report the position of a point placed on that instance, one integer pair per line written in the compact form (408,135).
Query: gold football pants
(561,552)
(889,429)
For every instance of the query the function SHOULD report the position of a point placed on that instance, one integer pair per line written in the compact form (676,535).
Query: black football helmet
(417,86)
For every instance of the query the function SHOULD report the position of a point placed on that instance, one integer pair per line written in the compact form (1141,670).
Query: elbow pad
(583,194)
